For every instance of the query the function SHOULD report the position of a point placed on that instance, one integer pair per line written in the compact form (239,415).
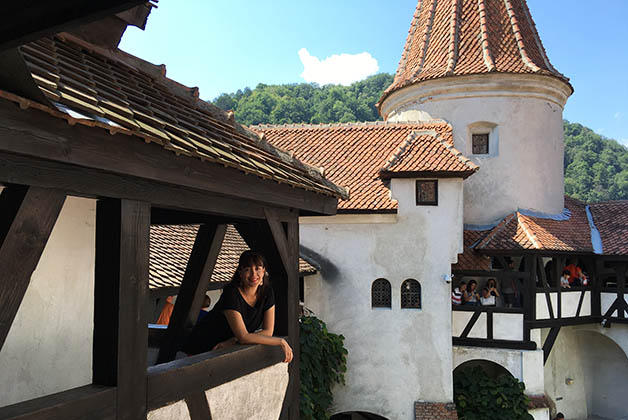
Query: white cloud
(624,142)
(342,69)
(618,115)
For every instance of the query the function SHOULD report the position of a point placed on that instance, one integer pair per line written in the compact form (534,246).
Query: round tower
(480,65)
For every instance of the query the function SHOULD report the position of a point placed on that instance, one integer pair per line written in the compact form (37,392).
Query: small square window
(480,144)
(426,193)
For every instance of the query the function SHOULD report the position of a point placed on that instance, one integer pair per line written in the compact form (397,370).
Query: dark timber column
(279,242)
(27,216)
(121,287)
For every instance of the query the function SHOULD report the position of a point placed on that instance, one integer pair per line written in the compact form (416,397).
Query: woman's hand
(226,343)
(287,351)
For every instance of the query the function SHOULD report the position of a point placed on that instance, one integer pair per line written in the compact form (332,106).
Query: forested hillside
(596,168)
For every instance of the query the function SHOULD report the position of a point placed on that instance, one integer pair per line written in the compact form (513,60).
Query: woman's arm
(236,323)
(496,291)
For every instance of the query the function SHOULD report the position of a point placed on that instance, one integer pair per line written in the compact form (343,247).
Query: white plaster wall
(540,413)
(525,365)
(597,369)
(508,326)
(49,346)
(256,396)
(607,299)
(526,113)
(396,356)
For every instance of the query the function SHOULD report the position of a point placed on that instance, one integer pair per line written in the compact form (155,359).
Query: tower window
(411,294)
(380,294)
(480,144)
(426,193)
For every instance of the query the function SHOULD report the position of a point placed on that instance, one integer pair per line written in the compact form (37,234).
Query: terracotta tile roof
(170,248)
(611,220)
(89,85)
(463,37)
(359,156)
(519,231)
(470,259)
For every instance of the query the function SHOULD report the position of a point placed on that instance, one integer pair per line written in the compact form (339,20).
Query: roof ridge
(454,28)
(348,125)
(462,158)
(400,150)
(489,236)
(514,23)
(537,38)
(486,50)
(426,38)
(410,37)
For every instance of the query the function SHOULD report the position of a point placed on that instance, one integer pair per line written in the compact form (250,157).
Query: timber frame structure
(46,156)
(42,160)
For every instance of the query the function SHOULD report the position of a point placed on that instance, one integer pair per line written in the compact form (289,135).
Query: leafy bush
(323,364)
(479,397)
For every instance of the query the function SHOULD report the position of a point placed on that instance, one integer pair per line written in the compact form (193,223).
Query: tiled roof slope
(519,231)
(170,248)
(463,37)
(470,259)
(359,155)
(611,220)
(121,93)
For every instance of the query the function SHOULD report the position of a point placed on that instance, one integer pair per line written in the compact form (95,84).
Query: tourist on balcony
(457,293)
(576,276)
(564,279)
(470,296)
(491,284)
(487,299)
(245,312)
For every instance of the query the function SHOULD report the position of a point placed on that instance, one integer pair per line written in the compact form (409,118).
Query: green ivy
(323,364)
(480,397)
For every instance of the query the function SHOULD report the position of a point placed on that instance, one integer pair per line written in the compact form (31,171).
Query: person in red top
(166,312)
(576,276)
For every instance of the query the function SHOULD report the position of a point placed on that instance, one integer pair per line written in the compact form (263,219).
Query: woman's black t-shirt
(214,328)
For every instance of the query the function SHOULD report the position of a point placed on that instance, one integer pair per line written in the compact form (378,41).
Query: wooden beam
(121,290)
(28,216)
(40,18)
(93,402)
(470,324)
(198,271)
(501,344)
(549,342)
(33,133)
(198,406)
(96,183)
(173,381)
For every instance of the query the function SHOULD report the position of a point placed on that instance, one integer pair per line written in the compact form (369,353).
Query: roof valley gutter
(596,239)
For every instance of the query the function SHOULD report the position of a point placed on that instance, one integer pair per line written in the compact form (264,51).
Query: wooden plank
(489,325)
(173,381)
(33,133)
(580,302)
(95,183)
(90,402)
(470,324)
(121,290)
(293,393)
(563,322)
(198,406)
(501,344)
(28,216)
(195,280)
(549,342)
(621,289)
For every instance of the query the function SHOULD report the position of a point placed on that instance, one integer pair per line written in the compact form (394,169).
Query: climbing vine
(480,397)
(323,364)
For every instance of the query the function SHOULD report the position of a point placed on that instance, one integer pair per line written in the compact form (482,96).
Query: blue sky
(224,46)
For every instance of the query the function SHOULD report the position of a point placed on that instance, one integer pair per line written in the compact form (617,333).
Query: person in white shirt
(487,299)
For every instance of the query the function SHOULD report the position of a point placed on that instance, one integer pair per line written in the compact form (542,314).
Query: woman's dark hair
(472,282)
(491,280)
(248,259)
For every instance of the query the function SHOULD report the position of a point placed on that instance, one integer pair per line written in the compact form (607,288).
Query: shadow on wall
(605,370)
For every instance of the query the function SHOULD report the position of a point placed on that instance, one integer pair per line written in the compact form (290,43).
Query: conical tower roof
(464,37)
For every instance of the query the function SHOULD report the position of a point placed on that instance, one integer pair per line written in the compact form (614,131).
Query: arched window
(411,294)
(380,294)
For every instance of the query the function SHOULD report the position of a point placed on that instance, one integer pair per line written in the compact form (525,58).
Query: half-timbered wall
(48,348)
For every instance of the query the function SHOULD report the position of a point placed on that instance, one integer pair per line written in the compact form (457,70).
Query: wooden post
(279,242)
(193,287)
(28,216)
(121,290)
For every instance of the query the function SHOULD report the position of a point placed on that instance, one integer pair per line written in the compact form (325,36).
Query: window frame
(405,292)
(381,280)
(416,192)
(488,143)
